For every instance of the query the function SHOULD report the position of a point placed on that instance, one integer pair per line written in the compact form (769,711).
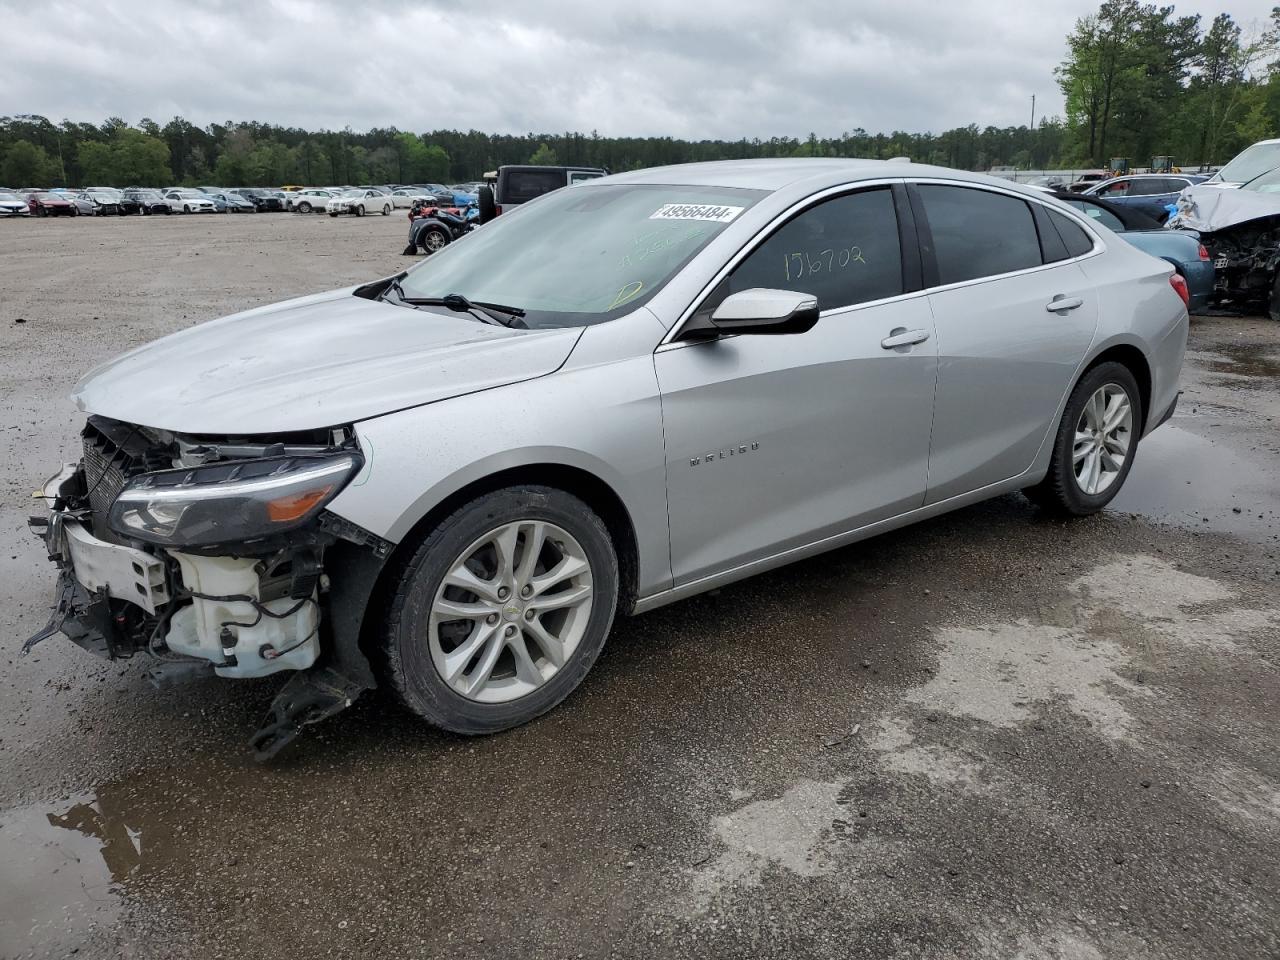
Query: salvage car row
(110,201)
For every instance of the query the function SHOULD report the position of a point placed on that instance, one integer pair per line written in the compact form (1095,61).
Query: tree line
(1138,81)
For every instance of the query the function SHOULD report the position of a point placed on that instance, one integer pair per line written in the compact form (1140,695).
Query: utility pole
(1033,111)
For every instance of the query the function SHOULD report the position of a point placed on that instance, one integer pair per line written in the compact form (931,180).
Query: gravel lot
(990,735)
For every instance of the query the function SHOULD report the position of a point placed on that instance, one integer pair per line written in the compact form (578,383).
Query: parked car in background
(1151,193)
(12,205)
(309,200)
(406,197)
(188,200)
(359,202)
(46,203)
(1182,249)
(1250,163)
(1241,230)
(1048,183)
(84,206)
(149,200)
(513,185)
(475,465)
(107,201)
(262,199)
(1087,180)
(232,202)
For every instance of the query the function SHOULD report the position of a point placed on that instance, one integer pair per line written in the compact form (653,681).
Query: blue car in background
(1180,248)
(1151,193)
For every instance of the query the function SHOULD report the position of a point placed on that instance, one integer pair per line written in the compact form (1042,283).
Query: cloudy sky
(706,68)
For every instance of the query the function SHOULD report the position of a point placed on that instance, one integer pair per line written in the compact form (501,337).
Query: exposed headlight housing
(230,502)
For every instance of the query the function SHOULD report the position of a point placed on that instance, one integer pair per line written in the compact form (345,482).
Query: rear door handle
(904,338)
(1063,304)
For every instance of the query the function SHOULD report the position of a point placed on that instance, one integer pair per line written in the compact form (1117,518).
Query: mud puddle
(1191,480)
(61,869)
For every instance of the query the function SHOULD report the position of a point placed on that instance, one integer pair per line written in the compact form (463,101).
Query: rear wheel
(433,239)
(502,610)
(1095,444)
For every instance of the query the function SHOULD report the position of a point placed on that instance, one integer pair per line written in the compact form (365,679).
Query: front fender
(604,419)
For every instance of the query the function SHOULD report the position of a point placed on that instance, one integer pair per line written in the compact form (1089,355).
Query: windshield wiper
(494,312)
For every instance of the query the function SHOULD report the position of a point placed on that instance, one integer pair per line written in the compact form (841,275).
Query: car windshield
(583,255)
(6,195)
(353,193)
(1251,162)
(1269,182)
(146,195)
(106,192)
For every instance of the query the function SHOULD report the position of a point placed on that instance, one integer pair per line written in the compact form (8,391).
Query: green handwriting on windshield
(626,293)
(655,241)
(799,265)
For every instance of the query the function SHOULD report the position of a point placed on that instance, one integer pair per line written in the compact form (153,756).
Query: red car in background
(46,204)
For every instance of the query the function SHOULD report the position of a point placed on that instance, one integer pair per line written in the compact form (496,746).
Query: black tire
(360,210)
(1060,492)
(333,214)
(409,670)
(386,209)
(303,207)
(488,206)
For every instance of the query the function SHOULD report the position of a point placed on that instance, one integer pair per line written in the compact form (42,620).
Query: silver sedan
(608,399)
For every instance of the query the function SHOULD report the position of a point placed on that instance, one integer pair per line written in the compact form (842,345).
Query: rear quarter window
(1077,241)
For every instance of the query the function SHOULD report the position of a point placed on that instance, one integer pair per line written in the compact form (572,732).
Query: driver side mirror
(764,311)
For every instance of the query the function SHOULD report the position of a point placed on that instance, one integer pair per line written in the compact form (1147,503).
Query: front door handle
(1061,304)
(904,338)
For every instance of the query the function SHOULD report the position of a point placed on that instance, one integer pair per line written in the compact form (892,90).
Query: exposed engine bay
(1241,231)
(207,555)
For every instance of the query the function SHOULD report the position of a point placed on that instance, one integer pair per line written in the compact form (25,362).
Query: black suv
(513,185)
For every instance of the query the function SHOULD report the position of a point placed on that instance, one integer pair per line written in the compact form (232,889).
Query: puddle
(1181,477)
(61,866)
(1243,361)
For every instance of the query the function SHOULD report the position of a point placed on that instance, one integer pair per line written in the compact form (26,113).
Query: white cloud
(714,69)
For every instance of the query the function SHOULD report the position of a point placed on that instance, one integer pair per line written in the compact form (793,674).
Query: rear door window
(978,233)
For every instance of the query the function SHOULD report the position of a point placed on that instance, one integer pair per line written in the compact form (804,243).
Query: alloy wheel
(1103,434)
(434,240)
(511,611)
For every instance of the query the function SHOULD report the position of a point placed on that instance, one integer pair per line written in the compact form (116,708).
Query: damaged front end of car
(215,555)
(1241,231)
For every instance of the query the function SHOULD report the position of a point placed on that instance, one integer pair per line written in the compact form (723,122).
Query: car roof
(777,174)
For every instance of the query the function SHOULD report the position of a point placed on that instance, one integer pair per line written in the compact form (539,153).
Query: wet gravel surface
(989,735)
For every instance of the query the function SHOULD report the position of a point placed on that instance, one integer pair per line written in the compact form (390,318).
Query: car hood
(1208,207)
(314,362)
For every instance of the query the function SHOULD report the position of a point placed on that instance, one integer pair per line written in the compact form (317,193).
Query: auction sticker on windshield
(717,213)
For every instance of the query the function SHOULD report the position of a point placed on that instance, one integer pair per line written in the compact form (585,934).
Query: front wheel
(502,610)
(304,207)
(186,208)
(360,211)
(1095,444)
(332,214)
(386,209)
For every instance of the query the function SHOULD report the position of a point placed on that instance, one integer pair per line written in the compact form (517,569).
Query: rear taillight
(1179,285)
(1204,254)
(497,209)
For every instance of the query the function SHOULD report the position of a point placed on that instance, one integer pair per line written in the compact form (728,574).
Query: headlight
(229,502)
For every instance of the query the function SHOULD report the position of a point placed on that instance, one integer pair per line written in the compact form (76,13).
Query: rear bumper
(1200,279)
